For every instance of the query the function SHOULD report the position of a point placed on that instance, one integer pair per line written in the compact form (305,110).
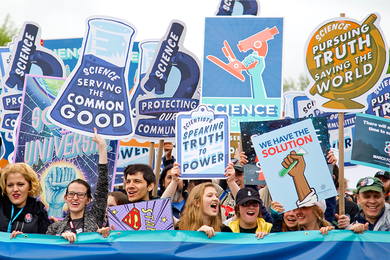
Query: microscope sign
(302,167)
(171,85)
(345,60)
(202,143)
(242,68)
(95,94)
(28,57)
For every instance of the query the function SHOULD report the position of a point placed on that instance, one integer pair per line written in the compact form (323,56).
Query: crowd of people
(208,206)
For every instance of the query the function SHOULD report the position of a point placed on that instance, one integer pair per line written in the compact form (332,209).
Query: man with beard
(173,187)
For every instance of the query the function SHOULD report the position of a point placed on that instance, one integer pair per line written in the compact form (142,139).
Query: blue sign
(170,85)
(96,92)
(202,143)
(242,68)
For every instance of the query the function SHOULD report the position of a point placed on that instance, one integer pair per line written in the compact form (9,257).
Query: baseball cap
(384,174)
(247,194)
(370,184)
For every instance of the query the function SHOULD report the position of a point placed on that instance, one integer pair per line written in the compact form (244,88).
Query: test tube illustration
(284,171)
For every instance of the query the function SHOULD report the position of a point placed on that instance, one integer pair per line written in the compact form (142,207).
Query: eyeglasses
(80,195)
(253,203)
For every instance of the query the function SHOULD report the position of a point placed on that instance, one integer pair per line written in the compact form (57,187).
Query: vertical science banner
(58,156)
(202,141)
(294,165)
(371,145)
(242,68)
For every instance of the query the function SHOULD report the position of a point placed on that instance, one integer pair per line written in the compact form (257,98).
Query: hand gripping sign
(28,57)
(95,94)
(171,85)
(345,60)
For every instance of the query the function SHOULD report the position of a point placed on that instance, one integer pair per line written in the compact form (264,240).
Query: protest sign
(144,215)
(237,7)
(379,100)
(371,145)
(202,141)
(53,151)
(345,59)
(242,69)
(294,166)
(252,170)
(28,57)
(96,92)
(170,85)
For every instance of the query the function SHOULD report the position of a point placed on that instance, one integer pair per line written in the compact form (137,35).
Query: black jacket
(36,220)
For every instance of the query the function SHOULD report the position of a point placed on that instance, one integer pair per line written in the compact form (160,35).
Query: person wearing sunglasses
(248,213)
(78,196)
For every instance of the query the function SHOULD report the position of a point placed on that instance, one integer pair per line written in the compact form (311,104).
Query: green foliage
(290,84)
(7,31)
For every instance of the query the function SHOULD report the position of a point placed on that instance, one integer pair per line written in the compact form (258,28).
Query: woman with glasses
(78,196)
(248,214)
(20,212)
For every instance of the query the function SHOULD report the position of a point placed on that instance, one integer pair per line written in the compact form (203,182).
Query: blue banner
(195,245)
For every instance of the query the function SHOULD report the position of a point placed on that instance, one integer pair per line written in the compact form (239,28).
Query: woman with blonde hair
(20,212)
(312,217)
(202,211)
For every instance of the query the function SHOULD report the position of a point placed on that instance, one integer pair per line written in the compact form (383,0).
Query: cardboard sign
(144,215)
(242,69)
(58,156)
(171,85)
(28,57)
(202,143)
(252,170)
(371,145)
(379,100)
(294,166)
(96,92)
(345,59)
(238,7)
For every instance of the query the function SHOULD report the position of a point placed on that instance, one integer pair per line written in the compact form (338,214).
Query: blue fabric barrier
(193,245)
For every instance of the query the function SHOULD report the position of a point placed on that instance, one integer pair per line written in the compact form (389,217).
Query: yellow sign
(344,61)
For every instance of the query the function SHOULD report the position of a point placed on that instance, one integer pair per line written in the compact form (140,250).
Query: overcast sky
(66,19)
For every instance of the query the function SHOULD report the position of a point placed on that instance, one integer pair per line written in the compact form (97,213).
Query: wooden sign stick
(341,158)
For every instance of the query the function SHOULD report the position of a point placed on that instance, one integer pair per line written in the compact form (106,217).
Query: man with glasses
(375,213)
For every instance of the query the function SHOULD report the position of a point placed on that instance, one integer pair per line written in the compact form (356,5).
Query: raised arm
(171,189)
(98,210)
(230,174)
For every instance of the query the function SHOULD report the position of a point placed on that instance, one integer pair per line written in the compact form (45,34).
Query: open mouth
(250,213)
(131,193)
(214,206)
(16,196)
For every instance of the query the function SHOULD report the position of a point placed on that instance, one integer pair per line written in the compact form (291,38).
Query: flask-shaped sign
(95,94)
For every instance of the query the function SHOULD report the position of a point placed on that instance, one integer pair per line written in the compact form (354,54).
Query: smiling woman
(78,196)
(249,218)
(20,212)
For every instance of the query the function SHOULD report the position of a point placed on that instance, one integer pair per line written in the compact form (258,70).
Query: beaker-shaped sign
(95,94)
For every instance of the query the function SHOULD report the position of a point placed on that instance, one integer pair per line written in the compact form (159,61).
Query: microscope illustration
(257,42)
